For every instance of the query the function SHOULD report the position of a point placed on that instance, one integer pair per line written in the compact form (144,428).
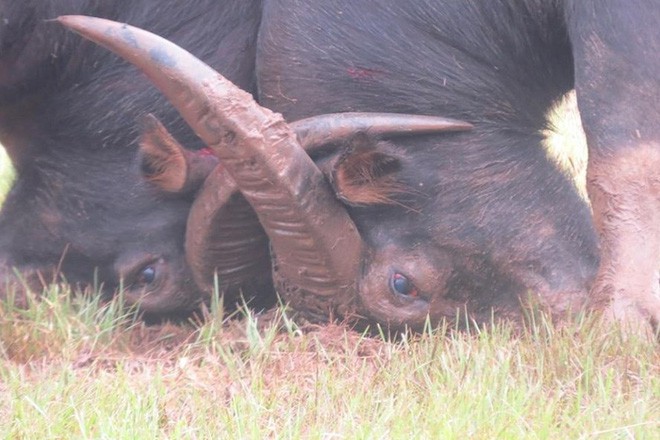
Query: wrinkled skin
(69,116)
(483,219)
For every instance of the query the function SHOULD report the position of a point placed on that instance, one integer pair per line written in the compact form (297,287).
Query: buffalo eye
(146,276)
(401,285)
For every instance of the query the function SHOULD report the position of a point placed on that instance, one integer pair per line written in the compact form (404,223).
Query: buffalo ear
(166,164)
(162,158)
(366,173)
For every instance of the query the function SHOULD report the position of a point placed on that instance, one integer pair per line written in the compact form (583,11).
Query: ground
(73,368)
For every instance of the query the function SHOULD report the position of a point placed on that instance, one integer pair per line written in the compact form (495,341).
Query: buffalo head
(98,215)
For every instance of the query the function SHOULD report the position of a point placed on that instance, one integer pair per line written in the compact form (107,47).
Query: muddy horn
(317,245)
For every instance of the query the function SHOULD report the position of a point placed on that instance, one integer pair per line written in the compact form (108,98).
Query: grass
(71,367)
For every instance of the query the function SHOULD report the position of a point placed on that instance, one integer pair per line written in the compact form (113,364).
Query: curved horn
(316,243)
(319,130)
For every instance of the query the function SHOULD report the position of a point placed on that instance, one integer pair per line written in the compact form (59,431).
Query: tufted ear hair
(167,164)
(366,173)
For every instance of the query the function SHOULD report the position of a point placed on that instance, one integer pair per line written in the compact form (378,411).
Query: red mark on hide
(363,73)
(205,152)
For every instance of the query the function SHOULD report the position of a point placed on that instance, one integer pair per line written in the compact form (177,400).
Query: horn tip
(71,20)
(86,25)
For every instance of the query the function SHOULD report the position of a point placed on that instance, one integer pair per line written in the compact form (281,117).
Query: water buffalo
(69,118)
(492,205)
(397,231)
